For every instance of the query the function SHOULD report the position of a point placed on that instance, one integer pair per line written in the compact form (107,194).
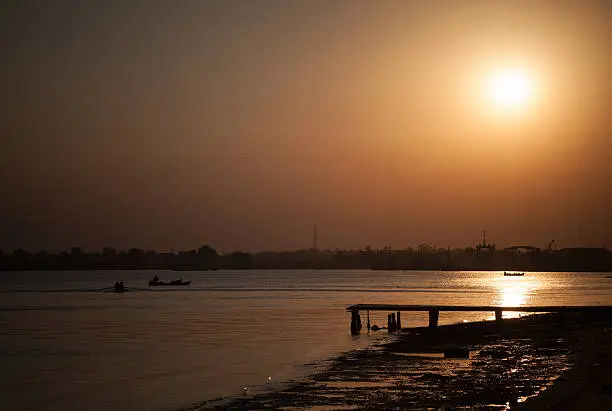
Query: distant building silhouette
(424,257)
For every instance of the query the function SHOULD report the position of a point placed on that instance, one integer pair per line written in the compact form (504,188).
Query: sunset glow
(510,88)
(243,204)
(242,124)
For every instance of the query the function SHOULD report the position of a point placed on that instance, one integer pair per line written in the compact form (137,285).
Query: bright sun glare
(510,88)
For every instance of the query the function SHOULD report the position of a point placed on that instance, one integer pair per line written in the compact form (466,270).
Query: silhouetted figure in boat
(119,287)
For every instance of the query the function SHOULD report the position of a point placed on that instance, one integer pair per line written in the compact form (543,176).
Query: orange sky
(241,124)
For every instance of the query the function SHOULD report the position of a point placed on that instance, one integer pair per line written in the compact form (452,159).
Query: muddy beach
(538,362)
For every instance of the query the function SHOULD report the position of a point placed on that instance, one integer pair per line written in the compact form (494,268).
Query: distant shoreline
(481,258)
(586,271)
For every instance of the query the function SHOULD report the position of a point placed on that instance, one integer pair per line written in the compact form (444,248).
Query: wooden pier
(434,311)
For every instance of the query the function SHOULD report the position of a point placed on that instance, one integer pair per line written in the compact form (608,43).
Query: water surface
(68,345)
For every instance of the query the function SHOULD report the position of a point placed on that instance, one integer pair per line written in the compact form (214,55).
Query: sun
(510,88)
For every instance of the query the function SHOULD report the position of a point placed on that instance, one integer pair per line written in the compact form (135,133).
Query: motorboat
(507,274)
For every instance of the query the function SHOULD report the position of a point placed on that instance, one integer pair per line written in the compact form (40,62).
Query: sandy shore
(540,362)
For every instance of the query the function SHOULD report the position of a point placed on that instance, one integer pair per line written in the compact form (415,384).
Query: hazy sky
(240,124)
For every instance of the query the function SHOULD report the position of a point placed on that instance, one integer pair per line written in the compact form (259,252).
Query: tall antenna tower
(314,237)
(484,245)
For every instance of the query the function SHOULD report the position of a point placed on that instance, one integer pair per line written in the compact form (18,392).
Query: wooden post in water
(389,322)
(498,316)
(399,321)
(368,320)
(393,323)
(355,322)
(433,318)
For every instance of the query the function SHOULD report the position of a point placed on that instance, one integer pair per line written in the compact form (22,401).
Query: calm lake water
(65,344)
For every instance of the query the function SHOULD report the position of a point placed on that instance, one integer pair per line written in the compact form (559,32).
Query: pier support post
(368,320)
(433,318)
(389,323)
(498,316)
(393,322)
(399,321)
(355,322)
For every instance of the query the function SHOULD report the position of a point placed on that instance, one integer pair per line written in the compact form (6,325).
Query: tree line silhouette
(424,257)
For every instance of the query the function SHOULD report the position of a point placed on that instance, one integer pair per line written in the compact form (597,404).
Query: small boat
(174,282)
(119,287)
(513,274)
(112,290)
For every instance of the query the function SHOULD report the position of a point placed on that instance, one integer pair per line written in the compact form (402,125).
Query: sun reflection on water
(515,292)
(514,296)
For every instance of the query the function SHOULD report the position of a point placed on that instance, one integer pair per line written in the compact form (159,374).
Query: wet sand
(588,385)
(540,362)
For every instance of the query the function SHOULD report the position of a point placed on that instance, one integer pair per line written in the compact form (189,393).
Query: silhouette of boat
(513,274)
(112,290)
(174,282)
(119,287)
